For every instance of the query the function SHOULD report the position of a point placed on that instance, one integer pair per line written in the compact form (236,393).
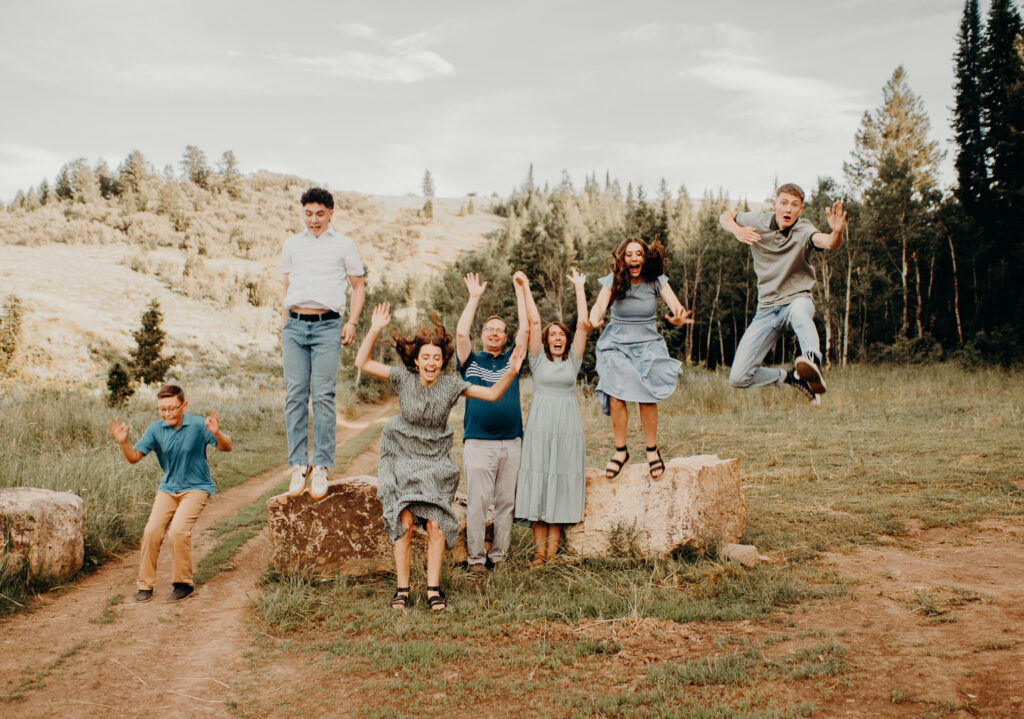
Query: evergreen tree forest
(923,274)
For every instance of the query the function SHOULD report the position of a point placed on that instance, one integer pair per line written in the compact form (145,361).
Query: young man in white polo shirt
(316,264)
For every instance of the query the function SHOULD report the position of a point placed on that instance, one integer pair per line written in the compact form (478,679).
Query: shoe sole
(187,596)
(143,601)
(809,373)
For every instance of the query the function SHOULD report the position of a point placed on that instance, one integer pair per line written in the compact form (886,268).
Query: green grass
(889,450)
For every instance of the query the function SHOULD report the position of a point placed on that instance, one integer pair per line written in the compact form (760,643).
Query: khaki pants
(180,511)
(492,468)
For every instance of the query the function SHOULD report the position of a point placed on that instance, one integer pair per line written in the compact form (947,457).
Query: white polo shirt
(318,269)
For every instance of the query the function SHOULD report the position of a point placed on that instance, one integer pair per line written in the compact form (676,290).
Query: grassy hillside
(85,268)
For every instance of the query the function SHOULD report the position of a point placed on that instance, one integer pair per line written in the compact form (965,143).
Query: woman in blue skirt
(633,364)
(552,474)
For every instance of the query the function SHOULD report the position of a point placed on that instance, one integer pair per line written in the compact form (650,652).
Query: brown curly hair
(408,348)
(547,347)
(654,265)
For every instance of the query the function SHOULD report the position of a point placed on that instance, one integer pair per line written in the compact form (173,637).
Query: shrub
(10,331)
(120,386)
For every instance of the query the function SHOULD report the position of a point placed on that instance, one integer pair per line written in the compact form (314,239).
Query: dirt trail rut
(157,658)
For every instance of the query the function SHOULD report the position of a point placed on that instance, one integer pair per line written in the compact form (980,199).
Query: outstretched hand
(212,423)
(474,285)
(515,360)
(519,277)
(576,278)
(836,216)
(381,316)
(119,430)
(683,317)
(748,235)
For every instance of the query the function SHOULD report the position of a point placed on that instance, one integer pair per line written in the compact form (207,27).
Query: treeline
(923,274)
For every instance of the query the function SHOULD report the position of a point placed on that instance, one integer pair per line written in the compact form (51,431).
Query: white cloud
(778,100)
(358,30)
(401,60)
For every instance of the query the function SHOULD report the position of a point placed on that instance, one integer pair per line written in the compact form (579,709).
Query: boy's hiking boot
(180,591)
(318,484)
(803,387)
(298,480)
(143,595)
(480,568)
(806,368)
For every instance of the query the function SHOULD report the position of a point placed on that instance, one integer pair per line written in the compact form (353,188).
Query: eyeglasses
(170,410)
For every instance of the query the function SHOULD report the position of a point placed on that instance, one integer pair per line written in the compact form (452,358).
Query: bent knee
(740,380)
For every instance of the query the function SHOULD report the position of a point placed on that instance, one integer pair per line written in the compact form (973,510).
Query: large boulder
(343,532)
(697,503)
(41,532)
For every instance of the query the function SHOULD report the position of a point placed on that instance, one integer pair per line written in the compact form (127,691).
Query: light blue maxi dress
(552,480)
(633,363)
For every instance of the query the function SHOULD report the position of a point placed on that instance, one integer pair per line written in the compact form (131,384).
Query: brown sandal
(657,465)
(613,472)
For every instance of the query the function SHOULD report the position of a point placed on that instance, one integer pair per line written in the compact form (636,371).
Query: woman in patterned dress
(416,477)
(633,363)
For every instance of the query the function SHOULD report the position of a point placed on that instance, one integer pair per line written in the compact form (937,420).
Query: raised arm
(213,424)
(536,343)
(836,221)
(495,391)
(746,235)
(380,319)
(463,342)
(579,340)
(678,315)
(525,332)
(348,330)
(119,431)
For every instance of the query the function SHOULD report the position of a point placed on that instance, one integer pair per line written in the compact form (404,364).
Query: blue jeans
(764,331)
(310,352)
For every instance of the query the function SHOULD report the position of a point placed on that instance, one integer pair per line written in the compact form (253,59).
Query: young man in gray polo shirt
(781,243)
(316,264)
(492,431)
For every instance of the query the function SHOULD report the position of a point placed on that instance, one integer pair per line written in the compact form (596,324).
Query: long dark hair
(408,348)
(547,347)
(654,265)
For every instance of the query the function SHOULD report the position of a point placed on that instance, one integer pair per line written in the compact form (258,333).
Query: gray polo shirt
(782,259)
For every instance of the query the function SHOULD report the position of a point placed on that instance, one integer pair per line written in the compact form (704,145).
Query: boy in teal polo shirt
(180,442)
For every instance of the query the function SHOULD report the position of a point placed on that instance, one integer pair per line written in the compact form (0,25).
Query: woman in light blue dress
(633,363)
(552,474)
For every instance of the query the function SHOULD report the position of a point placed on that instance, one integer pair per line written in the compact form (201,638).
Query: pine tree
(147,364)
(972,172)
(1000,71)
(120,386)
(230,177)
(133,173)
(10,331)
(898,128)
(428,185)
(194,167)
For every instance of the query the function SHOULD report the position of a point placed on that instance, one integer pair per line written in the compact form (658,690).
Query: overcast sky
(365,96)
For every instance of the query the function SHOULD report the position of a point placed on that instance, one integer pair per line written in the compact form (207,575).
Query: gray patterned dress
(416,470)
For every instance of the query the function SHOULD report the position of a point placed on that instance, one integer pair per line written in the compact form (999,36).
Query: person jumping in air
(781,243)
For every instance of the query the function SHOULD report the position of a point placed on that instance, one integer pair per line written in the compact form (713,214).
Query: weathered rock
(745,554)
(343,532)
(697,503)
(42,531)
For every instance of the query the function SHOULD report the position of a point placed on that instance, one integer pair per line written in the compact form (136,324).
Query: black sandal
(612,474)
(438,602)
(657,465)
(401,598)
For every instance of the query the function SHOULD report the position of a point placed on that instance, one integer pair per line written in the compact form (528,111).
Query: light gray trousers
(492,468)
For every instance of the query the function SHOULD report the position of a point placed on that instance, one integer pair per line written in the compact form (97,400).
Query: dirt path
(66,659)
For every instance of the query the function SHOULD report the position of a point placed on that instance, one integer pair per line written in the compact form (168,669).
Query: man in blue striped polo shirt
(492,431)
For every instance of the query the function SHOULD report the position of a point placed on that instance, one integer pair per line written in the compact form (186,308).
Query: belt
(322,317)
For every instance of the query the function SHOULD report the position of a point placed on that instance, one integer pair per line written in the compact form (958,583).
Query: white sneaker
(318,485)
(298,481)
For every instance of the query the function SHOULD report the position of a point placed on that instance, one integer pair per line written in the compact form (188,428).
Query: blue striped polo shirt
(491,420)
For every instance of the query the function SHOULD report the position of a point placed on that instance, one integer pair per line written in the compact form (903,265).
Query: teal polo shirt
(181,452)
(491,420)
